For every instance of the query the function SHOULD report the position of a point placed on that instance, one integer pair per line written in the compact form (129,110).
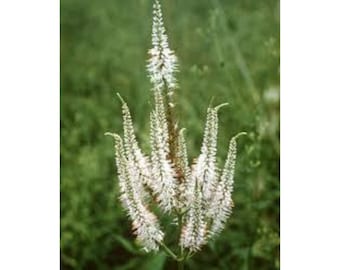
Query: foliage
(227,49)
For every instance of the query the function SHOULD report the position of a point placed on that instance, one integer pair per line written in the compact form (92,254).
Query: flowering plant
(197,196)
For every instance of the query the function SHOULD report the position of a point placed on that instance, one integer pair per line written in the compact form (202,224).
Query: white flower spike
(162,170)
(145,223)
(162,64)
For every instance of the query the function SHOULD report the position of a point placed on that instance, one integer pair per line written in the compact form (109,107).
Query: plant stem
(181,257)
(168,251)
(180,265)
(171,119)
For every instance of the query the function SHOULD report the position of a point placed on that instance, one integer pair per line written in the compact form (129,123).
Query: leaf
(155,262)
(130,265)
(127,245)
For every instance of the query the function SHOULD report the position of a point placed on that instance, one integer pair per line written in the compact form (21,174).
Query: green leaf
(130,265)
(155,262)
(127,245)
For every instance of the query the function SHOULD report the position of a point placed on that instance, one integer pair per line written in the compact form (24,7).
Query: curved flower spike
(221,204)
(144,223)
(206,170)
(133,152)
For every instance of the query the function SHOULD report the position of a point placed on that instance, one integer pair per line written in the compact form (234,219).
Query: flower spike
(145,223)
(132,150)
(164,184)
(222,204)
(162,64)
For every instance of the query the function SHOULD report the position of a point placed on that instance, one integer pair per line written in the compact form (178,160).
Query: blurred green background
(228,50)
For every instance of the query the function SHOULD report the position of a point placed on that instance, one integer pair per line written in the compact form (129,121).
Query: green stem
(168,251)
(179,216)
(180,265)
(181,255)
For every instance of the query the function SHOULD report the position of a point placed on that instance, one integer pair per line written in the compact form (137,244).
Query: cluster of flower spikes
(200,193)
